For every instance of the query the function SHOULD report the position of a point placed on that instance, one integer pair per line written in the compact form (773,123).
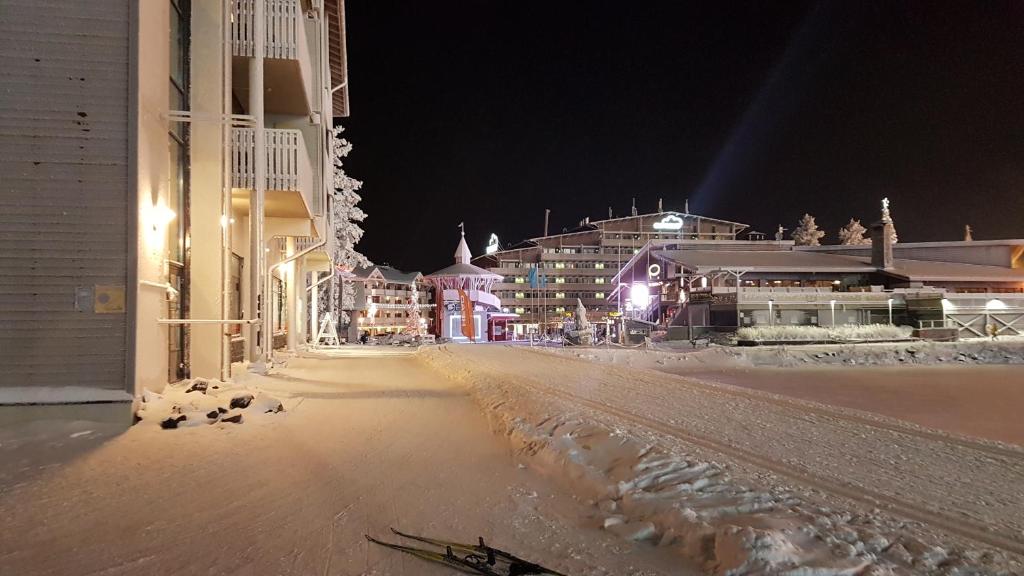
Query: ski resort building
(464,286)
(381,301)
(168,186)
(964,286)
(541,278)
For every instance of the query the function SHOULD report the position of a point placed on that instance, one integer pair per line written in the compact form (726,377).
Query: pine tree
(853,234)
(412,320)
(344,217)
(807,233)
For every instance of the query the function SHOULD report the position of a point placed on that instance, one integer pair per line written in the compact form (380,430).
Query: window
(559,294)
(520,310)
(599,265)
(598,280)
(520,280)
(559,280)
(598,294)
(559,264)
(520,295)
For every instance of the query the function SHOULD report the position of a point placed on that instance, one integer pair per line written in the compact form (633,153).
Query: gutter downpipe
(267,320)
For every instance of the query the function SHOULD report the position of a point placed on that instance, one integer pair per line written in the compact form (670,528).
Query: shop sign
(492,245)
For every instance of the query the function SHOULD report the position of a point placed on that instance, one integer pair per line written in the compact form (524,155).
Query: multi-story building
(165,174)
(544,276)
(382,298)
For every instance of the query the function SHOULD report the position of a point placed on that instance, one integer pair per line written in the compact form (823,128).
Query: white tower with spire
(462,253)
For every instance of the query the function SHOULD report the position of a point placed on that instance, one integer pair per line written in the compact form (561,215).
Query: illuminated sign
(653,270)
(492,245)
(670,222)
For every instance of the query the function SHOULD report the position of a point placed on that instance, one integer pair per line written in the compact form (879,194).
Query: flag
(532,277)
(467,314)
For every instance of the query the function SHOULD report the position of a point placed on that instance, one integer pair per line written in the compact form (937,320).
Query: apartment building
(165,174)
(381,302)
(544,276)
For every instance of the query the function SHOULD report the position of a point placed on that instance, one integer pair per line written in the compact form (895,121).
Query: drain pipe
(268,321)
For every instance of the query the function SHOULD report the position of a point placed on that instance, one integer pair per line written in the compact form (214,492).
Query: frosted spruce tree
(853,234)
(412,320)
(345,217)
(807,233)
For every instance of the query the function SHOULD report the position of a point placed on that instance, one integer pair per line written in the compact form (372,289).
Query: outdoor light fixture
(653,270)
(639,295)
(995,304)
(162,216)
(832,304)
(890,311)
(771,312)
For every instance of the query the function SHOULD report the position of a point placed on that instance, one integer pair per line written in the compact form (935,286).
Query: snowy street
(366,442)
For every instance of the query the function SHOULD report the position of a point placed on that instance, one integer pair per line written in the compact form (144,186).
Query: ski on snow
(469,558)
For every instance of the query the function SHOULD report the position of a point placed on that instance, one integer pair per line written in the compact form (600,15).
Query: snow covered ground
(747,482)
(365,442)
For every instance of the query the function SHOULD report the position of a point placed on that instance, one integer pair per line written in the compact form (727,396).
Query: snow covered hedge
(844,332)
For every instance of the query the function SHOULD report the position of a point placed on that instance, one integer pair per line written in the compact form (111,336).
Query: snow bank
(199,402)
(819,333)
(643,491)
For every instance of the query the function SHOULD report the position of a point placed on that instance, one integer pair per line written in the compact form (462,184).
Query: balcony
(287,68)
(290,189)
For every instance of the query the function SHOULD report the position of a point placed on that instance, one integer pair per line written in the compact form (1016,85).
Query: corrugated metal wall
(64,191)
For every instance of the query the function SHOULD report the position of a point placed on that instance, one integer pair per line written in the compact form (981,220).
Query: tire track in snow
(962,527)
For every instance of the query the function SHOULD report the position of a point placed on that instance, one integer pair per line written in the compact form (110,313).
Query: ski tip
(393,531)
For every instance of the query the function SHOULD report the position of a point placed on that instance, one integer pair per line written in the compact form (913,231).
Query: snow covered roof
(387,273)
(463,270)
(700,261)
(764,261)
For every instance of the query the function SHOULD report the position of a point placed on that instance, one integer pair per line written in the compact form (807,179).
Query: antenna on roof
(610,213)
(659,204)
(633,211)
(686,210)
(547,213)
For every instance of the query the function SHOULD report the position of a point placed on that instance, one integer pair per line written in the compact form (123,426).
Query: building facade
(542,278)
(381,302)
(166,163)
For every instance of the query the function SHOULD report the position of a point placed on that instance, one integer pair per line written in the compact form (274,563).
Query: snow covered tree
(853,234)
(807,233)
(345,232)
(412,320)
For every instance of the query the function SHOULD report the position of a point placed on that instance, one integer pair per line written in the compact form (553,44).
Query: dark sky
(489,111)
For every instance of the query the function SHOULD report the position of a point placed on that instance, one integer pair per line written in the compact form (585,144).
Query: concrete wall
(153,69)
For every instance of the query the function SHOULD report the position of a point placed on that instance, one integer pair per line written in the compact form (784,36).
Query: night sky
(489,112)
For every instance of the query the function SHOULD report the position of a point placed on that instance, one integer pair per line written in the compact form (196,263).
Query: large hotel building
(581,263)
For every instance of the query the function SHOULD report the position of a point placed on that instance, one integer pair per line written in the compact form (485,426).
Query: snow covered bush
(843,332)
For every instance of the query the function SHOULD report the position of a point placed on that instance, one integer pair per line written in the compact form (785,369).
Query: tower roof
(462,253)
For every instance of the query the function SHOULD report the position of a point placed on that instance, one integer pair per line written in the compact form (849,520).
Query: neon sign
(670,222)
(492,245)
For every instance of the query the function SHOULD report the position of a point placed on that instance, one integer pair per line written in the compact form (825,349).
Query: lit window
(599,295)
(599,265)
(520,310)
(520,280)
(559,294)
(598,280)
(520,295)
(559,280)
(559,264)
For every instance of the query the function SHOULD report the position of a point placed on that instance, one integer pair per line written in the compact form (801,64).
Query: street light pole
(771,312)
(890,311)
(832,304)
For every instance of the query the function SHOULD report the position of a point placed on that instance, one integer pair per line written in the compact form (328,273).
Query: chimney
(686,209)
(547,214)
(633,210)
(881,239)
(659,204)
